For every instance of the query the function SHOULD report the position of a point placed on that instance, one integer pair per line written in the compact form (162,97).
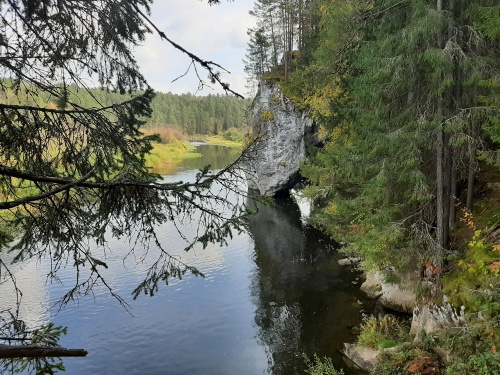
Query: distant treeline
(212,114)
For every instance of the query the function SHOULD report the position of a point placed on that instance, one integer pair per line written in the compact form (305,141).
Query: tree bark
(442,165)
(453,195)
(472,167)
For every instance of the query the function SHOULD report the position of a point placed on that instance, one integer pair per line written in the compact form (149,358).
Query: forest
(191,114)
(407,94)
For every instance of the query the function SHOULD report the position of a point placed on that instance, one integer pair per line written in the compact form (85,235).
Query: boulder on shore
(392,296)
(364,358)
(349,261)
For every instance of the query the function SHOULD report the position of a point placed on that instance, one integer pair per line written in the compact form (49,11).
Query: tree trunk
(442,166)
(273,38)
(453,196)
(472,165)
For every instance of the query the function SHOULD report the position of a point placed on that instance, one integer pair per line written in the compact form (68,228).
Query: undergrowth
(318,366)
(382,332)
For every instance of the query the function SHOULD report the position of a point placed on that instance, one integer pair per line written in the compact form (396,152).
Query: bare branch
(208,65)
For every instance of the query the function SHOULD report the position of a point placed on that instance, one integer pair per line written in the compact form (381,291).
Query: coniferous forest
(200,115)
(407,94)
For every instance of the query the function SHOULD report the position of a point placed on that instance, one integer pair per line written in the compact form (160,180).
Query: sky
(215,33)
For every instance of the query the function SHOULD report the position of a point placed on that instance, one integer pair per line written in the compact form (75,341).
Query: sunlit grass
(165,156)
(219,140)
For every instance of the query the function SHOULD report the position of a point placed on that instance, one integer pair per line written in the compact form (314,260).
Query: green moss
(267,115)
(275,100)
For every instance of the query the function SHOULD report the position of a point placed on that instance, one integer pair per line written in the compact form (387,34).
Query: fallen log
(35,351)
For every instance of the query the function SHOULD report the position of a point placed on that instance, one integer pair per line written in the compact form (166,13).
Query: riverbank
(454,326)
(165,157)
(235,141)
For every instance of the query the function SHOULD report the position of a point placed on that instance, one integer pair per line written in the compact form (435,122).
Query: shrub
(167,134)
(233,134)
(389,369)
(477,364)
(380,332)
(275,100)
(320,367)
(474,346)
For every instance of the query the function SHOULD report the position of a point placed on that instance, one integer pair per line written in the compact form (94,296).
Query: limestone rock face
(285,132)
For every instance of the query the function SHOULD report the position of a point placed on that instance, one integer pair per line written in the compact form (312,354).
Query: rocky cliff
(285,133)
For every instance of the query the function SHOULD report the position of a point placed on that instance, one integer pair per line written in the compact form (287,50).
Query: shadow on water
(305,302)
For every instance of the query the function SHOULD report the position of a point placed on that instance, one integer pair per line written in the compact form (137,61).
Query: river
(274,292)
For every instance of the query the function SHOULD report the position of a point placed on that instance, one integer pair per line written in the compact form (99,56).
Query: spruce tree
(73,170)
(396,149)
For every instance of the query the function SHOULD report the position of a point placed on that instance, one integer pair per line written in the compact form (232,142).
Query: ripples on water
(273,293)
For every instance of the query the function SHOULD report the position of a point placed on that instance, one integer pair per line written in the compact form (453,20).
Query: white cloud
(216,33)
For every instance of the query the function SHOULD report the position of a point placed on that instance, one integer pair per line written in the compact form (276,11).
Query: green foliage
(475,281)
(375,84)
(284,35)
(234,135)
(389,369)
(45,335)
(472,349)
(48,335)
(477,364)
(490,21)
(381,332)
(317,366)
(185,113)
(198,114)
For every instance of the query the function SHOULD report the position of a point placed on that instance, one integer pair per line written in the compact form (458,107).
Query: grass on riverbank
(172,148)
(230,138)
(165,157)
(219,140)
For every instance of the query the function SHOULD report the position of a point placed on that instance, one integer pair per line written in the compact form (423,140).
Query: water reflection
(218,157)
(34,301)
(306,303)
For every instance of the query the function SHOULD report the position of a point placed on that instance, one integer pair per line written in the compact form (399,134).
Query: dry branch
(34,351)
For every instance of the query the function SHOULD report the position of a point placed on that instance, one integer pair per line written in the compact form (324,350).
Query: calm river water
(274,292)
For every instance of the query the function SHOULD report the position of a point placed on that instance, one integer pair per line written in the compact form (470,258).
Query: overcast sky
(217,33)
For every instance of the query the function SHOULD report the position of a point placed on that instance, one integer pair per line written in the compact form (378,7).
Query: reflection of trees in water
(280,247)
(217,156)
(304,300)
(279,333)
